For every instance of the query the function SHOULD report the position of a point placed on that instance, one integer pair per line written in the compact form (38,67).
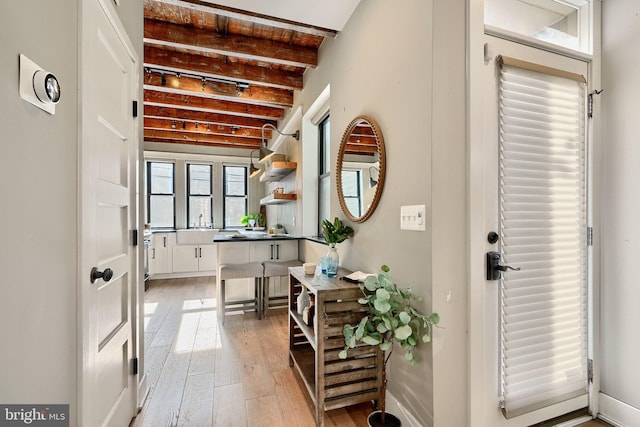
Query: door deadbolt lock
(495,266)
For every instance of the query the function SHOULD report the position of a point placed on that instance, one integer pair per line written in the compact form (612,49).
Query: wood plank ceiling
(214,75)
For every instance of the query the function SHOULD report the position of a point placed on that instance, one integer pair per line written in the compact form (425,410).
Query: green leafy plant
(258,218)
(245,219)
(391,318)
(336,231)
(279,226)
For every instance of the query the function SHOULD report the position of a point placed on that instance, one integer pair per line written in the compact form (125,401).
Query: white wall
(38,213)
(620,201)
(411,81)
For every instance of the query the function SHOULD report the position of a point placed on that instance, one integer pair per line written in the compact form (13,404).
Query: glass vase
(333,261)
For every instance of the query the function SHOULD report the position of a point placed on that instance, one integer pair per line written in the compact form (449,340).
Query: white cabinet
(208,256)
(243,251)
(191,258)
(279,251)
(276,250)
(160,253)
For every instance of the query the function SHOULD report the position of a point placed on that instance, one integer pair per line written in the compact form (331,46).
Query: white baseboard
(160,276)
(143,391)
(407,419)
(618,413)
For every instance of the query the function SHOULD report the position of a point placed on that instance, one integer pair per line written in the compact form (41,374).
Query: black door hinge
(135,366)
(135,237)
(589,236)
(590,370)
(135,108)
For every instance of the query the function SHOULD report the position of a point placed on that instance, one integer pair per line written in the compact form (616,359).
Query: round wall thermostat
(46,87)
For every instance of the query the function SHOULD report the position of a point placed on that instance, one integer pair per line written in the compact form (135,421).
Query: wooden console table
(313,350)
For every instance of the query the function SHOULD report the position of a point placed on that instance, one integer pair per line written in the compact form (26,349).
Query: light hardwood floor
(203,374)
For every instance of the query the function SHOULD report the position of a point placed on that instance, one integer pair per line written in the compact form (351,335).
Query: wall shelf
(278,198)
(277,170)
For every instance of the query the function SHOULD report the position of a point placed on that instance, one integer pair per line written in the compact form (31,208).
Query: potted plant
(391,318)
(334,232)
(259,221)
(279,228)
(247,220)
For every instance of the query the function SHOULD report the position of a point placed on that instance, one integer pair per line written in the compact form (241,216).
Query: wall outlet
(412,218)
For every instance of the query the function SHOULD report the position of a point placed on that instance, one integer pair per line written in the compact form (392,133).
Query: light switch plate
(412,218)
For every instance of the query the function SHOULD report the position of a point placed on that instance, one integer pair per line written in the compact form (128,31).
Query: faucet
(200,221)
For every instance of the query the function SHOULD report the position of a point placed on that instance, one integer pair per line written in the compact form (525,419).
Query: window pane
(350,183)
(199,179)
(325,152)
(235,181)
(161,178)
(353,204)
(234,209)
(351,191)
(161,211)
(324,167)
(323,200)
(564,23)
(199,211)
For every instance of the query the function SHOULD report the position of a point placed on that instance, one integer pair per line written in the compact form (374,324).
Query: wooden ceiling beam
(209,67)
(270,21)
(360,149)
(201,143)
(152,97)
(363,140)
(190,137)
(228,91)
(179,114)
(177,125)
(249,48)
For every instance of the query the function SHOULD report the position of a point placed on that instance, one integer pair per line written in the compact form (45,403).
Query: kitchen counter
(252,237)
(241,234)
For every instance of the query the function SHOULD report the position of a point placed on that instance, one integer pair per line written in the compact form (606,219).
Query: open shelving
(278,198)
(313,349)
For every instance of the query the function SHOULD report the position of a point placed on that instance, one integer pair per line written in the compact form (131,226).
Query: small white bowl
(309,268)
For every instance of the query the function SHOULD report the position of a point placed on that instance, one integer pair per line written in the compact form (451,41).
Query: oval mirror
(360,168)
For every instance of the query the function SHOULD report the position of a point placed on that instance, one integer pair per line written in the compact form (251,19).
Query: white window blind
(543,307)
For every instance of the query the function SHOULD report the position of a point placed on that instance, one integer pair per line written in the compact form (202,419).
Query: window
(199,196)
(235,195)
(564,23)
(161,195)
(324,176)
(352,192)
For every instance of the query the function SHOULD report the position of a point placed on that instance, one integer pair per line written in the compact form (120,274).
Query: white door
(525,147)
(107,187)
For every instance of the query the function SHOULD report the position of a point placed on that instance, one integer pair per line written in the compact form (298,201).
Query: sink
(195,236)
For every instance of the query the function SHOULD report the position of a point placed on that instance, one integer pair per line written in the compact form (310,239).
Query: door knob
(105,275)
(495,266)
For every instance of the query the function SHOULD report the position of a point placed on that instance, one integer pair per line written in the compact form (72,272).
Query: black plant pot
(375,420)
